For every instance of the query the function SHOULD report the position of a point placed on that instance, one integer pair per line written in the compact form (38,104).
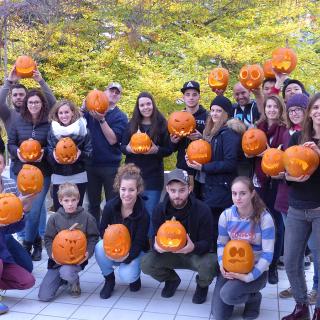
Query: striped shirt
(261,237)
(10,186)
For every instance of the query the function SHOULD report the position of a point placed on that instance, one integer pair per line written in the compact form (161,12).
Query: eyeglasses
(295,111)
(35,103)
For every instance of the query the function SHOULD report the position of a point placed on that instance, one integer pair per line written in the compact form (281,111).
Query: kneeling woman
(127,208)
(246,220)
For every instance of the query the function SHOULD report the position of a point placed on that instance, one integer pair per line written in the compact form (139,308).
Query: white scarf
(77,128)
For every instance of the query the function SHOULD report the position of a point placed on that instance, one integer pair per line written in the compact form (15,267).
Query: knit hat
(298,100)
(224,103)
(290,81)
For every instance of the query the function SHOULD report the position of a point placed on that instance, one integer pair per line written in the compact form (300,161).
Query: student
(246,220)
(67,122)
(67,215)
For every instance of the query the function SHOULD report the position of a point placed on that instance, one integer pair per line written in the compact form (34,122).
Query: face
(315,113)
(216,113)
(113,95)
(241,94)
(241,195)
(128,192)
(296,115)
(178,194)
(272,110)
(191,98)
(267,87)
(65,115)
(2,164)
(34,106)
(291,90)
(17,97)
(145,107)
(69,204)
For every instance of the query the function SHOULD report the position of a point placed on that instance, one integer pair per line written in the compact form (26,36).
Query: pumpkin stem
(138,131)
(73,226)
(173,218)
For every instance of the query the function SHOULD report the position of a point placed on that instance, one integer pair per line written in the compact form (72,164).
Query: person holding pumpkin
(68,216)
(127,209)
(67,122)
(148,119)
(303,216)
(247,220)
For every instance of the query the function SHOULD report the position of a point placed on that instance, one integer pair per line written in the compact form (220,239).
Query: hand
(96,115)
(154,149)
(156,246)
(41,156)
(84,259)
(27,201)
(249,156)
(37,75)
(280,79)
(257,92)
(120,260)
(20,157)
(129,149)
(189,247)
(55,156)
(195,135)
(280,176)
(219,92)
(224,273)
(194,164)
(174,138)
(13,77)
(238,276)
(302,178)
(313,146)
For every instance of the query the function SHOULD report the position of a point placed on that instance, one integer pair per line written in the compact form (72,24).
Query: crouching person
(197,254)
(67,216)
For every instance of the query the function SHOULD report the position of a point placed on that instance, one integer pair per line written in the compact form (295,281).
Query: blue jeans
(127,272)
(153,198)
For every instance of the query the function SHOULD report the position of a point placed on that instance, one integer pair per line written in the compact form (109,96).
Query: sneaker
(75,290)
(252,307)
(273,275)
(3,308)
(135,286)
(200,295)
(170,288)
(287,293)
(312,295)
(307,263)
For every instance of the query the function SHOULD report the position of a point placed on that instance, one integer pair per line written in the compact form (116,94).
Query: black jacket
(199,224)
(137,224)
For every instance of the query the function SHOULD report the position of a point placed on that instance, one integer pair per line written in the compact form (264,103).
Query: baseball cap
(190,85)
(115,85)
(178,175)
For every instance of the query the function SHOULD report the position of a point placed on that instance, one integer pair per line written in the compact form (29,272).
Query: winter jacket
(248,114)
(137,223)
(78,132)
(61,220)
(226,147)
(199,224)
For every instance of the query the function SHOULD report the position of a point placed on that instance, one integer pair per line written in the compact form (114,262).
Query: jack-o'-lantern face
(140,142)
(66,150)
(69,246)
(218,78)
(238,257)
(254,141)
(171,236)
(29,179)
(30,150)
(284,60)
(299,161)
(181,123)
(272,162)
(251,76)
(199,151)
(25,66)
(97,100)
(267,70)
(11,208)
(116,241)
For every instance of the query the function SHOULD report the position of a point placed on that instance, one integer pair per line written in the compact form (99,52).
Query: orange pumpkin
(218,78)
(267,70)
(69,246)
(25,66)
(66,150)
(171,236)
(251,76)
(11,208)
(29,179)
(181,123)
(254,141)
(97,100)
(30,150)
(300,160)
(284,60)
(140,142)
(116,241)
(272,162)
(238,257)
(199,151)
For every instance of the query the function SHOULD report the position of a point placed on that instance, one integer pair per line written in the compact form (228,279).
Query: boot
(273,274)
(300,312)
(37,249)
(27,246)
(252,306)
(135,286)
(170,287)
(200,295)
(108,287)
(316,314)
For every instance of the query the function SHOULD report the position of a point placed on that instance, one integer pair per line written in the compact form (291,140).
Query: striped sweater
(261,237)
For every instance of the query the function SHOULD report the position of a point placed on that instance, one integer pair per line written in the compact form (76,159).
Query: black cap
(190,85)
(224,103)
(178,175)
(290,81)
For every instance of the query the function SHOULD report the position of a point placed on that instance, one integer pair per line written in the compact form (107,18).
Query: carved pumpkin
(69,246)
(254,141)
(251,76)
(97,100)
(267,70)
(238,257)
(30,150)
(199,151)
(29,179)
(11,208)
(272,162)
(171,236)
(140,142)
(299,161)
(25,66)
(284,60)
(218,78)
(116,241)
(66,150)
(181,123)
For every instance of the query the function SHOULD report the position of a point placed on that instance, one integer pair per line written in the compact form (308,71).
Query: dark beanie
(298,100)
(290,81)
(224,103)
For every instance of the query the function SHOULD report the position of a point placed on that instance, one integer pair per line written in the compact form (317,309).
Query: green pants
(161,266)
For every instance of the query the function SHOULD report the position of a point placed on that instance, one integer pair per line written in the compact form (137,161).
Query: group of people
(228,198)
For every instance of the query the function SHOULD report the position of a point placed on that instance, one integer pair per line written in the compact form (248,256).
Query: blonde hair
(212,128)
(53,116)
(68,190)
